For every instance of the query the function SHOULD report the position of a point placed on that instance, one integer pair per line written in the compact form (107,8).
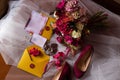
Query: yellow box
(34,65)
(48,30)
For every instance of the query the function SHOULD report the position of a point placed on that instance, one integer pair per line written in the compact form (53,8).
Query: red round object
(47,28)
(32,65)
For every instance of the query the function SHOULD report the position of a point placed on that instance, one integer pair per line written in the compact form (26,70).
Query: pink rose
(59,58)
(34,52)
(68,39)
(63,27)
(61,4)
(61,54)
(58,63)
(71,5)
(60,39)
(58,55)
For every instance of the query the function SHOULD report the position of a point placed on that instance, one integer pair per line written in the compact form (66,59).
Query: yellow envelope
(48,30)
(34,65)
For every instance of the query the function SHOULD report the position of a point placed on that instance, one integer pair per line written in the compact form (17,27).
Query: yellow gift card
(47,31)
(33,64)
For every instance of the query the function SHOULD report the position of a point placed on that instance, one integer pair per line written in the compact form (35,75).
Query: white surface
(105,61)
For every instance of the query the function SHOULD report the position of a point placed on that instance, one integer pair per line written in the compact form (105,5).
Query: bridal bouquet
(73,23)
